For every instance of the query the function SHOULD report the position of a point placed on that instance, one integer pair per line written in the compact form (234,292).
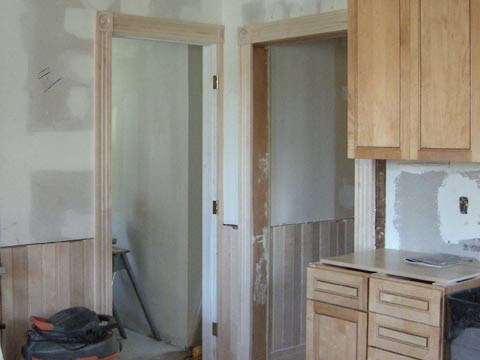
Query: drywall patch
(76,65)
(50,47)
(62,206)
(78,102)
(98,4)
(422,207)
(253,12)
(455,226)
(417,221)
(139,7)
(79,23)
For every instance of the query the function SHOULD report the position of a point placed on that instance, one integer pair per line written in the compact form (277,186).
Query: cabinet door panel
(335,333)
(378,73)
(445,74)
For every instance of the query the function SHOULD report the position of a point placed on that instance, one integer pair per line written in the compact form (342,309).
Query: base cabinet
(397,319)
(335,333)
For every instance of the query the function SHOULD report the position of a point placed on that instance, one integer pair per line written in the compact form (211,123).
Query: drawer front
(406,301)
(378,354)
(338,288)
(404,337)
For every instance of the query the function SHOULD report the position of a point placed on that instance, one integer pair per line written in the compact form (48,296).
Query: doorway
(311,181)
(158,114)
(256,43)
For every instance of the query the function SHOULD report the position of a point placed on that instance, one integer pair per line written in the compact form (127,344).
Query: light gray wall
(240,13)
(311,177)
(157,180)
(195,187)
(423,210)
(46,137)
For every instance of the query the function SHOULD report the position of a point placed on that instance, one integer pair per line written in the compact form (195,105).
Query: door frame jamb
(252,224)
(108,25)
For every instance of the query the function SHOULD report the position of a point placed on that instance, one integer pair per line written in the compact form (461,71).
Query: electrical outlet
(463,204)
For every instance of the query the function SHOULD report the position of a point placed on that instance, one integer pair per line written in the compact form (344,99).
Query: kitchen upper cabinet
(378,74)
(414,79)
(445,72)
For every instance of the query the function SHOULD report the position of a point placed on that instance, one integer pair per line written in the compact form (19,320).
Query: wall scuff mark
(260,287)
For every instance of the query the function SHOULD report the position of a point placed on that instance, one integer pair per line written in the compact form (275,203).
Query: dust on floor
(141,347)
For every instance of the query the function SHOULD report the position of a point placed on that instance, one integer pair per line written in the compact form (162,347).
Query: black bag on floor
(72,334)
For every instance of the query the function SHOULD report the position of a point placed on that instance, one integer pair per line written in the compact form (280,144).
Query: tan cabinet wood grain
(406,301)
(378,354)
(445,71)
(374,78)
(414,74)
(378,99)
(344,288)
(335,333)
(404,337)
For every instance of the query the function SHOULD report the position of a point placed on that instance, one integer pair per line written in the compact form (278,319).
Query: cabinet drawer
(338,287)
(404,337)
(377,354)
(406,301)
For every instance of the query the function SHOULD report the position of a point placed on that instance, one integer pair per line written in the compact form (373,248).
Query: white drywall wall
(157,180)
(46,137)
(305,98)
(423,211)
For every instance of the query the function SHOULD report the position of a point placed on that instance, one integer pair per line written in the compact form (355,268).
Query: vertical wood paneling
(41,280)
(292,248)
(77,277)
(20,291)
(8,339)
(229,300)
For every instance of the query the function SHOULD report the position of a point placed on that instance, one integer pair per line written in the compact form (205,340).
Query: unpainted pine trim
(167,30)
(352,79)
(260,195)
(364,205)
(109,25)
(245,192)
(220,127)
(102,264)
(327,24)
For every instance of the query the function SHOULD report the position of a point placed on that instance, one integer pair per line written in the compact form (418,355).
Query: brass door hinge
(215,329)
(216,83)
(215,207)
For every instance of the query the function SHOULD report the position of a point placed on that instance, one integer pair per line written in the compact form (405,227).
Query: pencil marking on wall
(52,85)
(43,73)
(44,76)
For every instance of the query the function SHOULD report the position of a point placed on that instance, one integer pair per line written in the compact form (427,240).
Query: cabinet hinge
(215,82)
(215,207)
(215,329)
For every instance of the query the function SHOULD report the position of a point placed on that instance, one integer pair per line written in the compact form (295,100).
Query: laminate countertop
(392,262)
